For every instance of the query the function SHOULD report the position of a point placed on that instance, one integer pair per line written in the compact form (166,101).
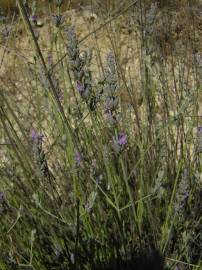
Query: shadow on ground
(152,260)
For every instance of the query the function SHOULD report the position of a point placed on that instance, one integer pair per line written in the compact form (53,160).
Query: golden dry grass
(7,5)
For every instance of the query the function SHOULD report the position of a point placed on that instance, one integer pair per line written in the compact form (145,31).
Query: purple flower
(5,32)
(36,136)
(71,34)
(78,158)
(2,197)
(60,95)
(119,142)
(79,87)
(110,59)
(111,103)
(200,130)
(58,19)
(111,119)
(34,19)
(50,60)
(122,139)
(186,194)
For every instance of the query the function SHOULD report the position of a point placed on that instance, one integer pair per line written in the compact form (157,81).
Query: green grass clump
(100,150)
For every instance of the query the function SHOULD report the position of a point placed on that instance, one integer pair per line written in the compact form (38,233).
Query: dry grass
(10,5)
(7,5)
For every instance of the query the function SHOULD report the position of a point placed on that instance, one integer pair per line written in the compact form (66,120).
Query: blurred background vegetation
(10,5)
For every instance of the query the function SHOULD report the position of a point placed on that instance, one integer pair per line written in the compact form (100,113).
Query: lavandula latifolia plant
(150,19)
(110,91)
(45,83)
(182,193)
(79,65)
(39,155)
(111,102)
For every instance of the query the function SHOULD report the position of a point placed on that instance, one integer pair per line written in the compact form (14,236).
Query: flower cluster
(79,63)
(45,82)
(78,158)
(3,202)
(120,142)
(34,19)
(36,137)
(5,32)
(150,18)
(38,152)
(182,193)
(2,196)
(200,139)
(58,19)
(110,90)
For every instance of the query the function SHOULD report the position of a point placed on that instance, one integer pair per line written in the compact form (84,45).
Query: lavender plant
(79,63)
(110,90)
(39,155)
(97,201)
(182,193)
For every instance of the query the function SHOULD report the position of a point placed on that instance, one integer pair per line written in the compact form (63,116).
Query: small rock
(39,23)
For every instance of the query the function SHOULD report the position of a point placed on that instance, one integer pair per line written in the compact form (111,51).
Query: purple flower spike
(110,58)
(50,60)
(79,87)
(122,139)
(36,136)
(60,95)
